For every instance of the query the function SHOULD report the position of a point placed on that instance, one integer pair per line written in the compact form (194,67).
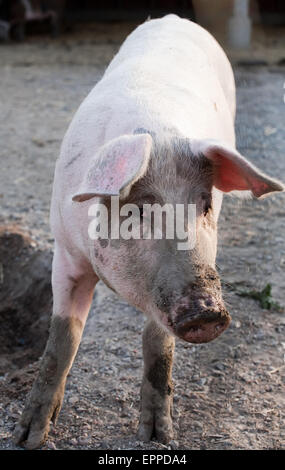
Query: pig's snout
(203,329)
(202,321)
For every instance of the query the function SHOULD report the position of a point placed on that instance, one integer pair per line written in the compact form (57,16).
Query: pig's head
(179,288)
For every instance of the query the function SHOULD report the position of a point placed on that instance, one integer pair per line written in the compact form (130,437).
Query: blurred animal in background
(18,15)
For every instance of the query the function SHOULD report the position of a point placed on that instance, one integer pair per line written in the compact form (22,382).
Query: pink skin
(112,264)
(73,286)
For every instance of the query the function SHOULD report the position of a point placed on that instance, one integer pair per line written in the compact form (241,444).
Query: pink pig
(157,128)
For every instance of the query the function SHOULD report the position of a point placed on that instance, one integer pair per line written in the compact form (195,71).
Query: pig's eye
(207,208)
(207,205)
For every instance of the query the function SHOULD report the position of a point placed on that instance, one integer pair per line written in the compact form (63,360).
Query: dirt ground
(229,394)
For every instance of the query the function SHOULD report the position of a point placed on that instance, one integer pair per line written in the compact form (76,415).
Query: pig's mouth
(203,329)
(200,315)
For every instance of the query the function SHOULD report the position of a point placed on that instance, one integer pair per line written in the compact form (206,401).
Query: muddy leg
(72,296)
(157,387)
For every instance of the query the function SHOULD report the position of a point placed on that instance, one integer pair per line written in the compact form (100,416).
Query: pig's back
(170,75)
(177,51)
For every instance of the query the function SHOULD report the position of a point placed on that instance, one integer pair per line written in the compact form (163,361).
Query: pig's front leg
(157,387)
(72,297)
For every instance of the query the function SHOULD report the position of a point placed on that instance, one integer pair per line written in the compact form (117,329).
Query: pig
(158,128)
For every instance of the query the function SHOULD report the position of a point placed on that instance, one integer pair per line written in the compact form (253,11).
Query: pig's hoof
(33,428)
(156,428)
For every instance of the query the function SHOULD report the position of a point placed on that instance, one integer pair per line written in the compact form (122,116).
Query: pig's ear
(232,172)
(116,167)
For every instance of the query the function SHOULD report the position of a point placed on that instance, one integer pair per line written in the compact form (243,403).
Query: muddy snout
(201,318)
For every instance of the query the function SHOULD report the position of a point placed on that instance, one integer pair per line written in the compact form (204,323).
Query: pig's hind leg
(72,296)
(157,387)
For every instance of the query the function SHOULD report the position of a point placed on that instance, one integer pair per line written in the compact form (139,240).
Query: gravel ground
(228,393)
